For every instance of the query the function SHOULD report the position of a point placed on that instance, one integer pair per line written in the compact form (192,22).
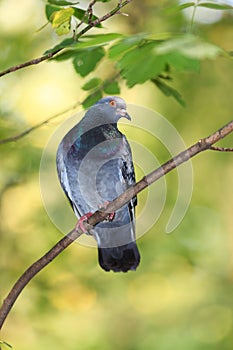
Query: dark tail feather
(122,258)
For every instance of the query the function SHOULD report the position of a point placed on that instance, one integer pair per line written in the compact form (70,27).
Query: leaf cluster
(135,58)
(60,12)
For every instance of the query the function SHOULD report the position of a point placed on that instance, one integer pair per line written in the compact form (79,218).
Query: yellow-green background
(181,296)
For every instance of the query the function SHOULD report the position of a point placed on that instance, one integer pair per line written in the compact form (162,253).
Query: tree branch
(202,145)
(92,24)
(29,63)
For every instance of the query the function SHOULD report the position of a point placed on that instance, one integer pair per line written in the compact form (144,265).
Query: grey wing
(63,174)
(128,174)
(114,177)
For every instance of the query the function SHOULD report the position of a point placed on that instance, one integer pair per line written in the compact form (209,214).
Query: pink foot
(110,216)
(83,218)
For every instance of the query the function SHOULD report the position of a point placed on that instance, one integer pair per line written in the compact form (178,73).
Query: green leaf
(180,7)
(210,5)
(186,5)
(92,99)
(182,62)
(61,16)
(141,64)
(125,44)
(69,42)
(215,6)
(85,61)
(49,10)
(62,2)
(112,88)
(79,13)
(65,55)
(90,41)
(169,91)
(91,84)
(63,29)
(189,46)
(96,40)
(61,20)
(202,50)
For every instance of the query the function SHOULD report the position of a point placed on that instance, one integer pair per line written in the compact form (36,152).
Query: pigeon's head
(115,106)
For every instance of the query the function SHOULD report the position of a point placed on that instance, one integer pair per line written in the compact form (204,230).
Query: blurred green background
(181,296)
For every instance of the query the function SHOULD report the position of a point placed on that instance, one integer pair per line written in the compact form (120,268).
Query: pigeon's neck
(100,132)
(111,126)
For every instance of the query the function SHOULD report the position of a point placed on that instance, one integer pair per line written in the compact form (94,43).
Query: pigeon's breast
(98,143)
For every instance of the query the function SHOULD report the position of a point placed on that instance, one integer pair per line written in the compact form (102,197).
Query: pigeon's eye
(112,103)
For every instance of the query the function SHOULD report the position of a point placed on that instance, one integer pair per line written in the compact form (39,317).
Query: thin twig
(202,145)
(221,149)
(90,10)
(92,24)
(88,13)
(46,121)
(36,126)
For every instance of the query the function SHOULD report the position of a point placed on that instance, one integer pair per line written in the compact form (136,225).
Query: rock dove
(94,164)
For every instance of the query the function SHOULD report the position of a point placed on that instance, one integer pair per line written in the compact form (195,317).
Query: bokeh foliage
(163,52)
(181,295)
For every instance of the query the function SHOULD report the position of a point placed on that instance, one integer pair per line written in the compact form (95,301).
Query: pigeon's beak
(127,116)
(123,113)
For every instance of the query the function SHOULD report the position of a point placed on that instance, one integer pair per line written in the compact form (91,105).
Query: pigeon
(94,165)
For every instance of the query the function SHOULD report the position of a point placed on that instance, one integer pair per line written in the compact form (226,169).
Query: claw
(79,224)
(110,216)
